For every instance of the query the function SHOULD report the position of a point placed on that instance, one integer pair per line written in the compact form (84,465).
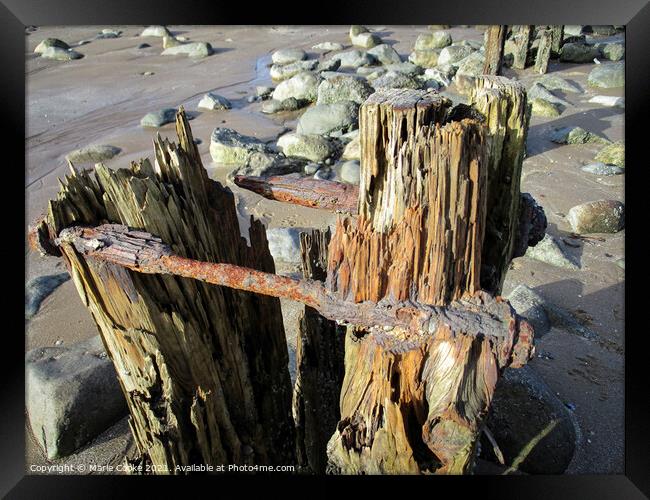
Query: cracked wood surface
(415,404)
(203,368)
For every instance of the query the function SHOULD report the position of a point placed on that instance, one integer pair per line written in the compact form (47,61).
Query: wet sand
(101,98)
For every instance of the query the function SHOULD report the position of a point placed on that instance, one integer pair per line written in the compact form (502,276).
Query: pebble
(158,118)
(599,168)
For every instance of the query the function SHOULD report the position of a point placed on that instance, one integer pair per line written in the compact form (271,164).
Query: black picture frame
(15,15)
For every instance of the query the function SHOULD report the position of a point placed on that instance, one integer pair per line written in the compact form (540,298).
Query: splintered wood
(189,313)
(414,403)
(203,368)
(421,212)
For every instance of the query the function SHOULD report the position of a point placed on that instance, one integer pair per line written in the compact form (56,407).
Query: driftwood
(319,365)
(203,368)
(313,193)
(495,37)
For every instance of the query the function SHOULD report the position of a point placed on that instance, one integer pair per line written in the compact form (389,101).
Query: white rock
(608,100)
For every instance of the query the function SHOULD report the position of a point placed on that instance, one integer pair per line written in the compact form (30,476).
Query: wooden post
(543,50)
(504,104)
(203,367)
(414,402)
(495,37)
(522,38)
(319,366)
(557,34)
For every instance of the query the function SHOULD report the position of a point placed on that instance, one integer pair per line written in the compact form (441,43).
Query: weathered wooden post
(522,39)
(495,38)
(414,403)
(203,368)
(543,50)
(557,34)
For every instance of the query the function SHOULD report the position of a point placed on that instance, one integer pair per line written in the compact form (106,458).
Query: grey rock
(282,72)
(371,72)
(286,56)
(599,168)
(434,40)
(613,154)
(537,90)
(263,91)
(601,29)
(572,30)
(284,244)
(439,76)
(607,76)
(542,107)
(472,65)
(301,86)
(522,407)
(352,150)
(552,252)
(325,119)
(324,174)
(328,46)
(353,58)
(289,104)
(50,42)
(328,65)
(158,118)
(578,53)
(230,147)
(365,40)
(608,100)
(214,101)
(310,147)
(394,80)
(37,289)
(251,99)
(602,216)
(357,29)
(350,172)
(407,68)
(343,88)
(554,82)
(426,58)
(385,54)
(531,306)
(72,395)
(193,50)
(93,154)
(59,54)
(108,33)
(454,54)
(576,135)
(613,51)
(159,31)
(311,168)
(266,163)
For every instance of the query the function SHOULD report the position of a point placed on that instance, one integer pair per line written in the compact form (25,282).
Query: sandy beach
(101,98)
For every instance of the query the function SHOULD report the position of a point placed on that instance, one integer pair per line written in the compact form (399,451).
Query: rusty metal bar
(314,193)
(142,252)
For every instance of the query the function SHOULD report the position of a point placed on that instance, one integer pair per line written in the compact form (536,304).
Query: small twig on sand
(523,454)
